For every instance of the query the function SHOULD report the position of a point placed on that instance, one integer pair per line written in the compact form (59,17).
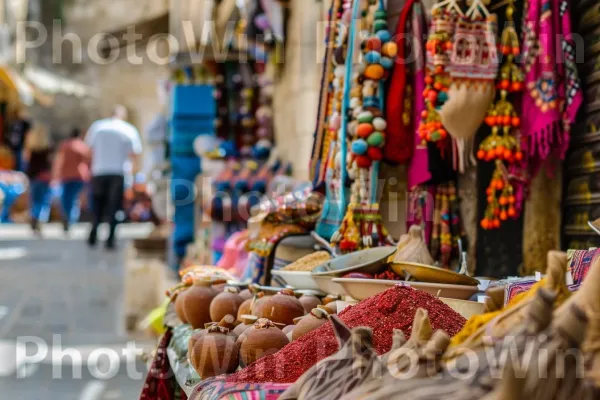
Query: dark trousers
(107,199)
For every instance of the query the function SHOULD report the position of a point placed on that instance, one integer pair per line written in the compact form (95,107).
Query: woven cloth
(217,388)
(580,262)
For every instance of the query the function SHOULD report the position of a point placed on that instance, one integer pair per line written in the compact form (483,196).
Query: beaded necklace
(363,222)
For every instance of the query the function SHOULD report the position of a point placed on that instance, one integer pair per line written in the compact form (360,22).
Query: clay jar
(309,302)
(247,322)
(263,339)
(310,322)
(283,308)
(215,352)
(226,303)
(196,303)
(195,336)
(245,309)
(179,299)
(246,294)
(258,304)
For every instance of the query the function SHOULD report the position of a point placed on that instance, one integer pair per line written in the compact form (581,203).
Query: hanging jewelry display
(503,144)
(437,78)
(362,226)
(447,226)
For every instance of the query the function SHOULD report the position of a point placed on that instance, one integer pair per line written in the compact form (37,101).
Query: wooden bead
(374,71)
(390,49)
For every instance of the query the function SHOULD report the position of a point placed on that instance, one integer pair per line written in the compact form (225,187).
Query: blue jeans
(69,200)
(41,200)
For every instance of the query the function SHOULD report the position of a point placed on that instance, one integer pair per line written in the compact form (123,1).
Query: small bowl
(326,284)
(297,279)
(369,261)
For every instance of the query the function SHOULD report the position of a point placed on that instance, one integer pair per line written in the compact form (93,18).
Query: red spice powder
(393,309)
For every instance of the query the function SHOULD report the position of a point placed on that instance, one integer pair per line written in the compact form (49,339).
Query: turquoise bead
(443,97)
(386,62)
(365,117)
(380,14)
(359,147)
(372,57)
(375,139)
(384,36)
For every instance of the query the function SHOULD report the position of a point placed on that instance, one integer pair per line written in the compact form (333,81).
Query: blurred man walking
(115,145)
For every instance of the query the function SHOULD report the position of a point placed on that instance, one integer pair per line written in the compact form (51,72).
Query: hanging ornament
(503,145)
(362,226)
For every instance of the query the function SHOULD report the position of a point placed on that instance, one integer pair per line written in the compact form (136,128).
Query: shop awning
(47,83)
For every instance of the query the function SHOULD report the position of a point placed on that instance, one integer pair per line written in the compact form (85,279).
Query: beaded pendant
(503,144)
(362,226)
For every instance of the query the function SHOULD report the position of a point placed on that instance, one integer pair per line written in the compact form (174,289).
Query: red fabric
(399,142)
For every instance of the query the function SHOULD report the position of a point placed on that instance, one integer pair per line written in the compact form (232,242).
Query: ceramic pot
(310,322)
(261,340)
(258,304)
(215,351)
(195,336)
(246,294)
(196,304)
(179,310)
(283,308)
(245,309)
(309,302)
(226,303)
(247,322)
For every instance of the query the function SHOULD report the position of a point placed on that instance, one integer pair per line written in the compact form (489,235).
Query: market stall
(318,300)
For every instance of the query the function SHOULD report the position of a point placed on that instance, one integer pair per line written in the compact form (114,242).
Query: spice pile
(308,262)
(393,309)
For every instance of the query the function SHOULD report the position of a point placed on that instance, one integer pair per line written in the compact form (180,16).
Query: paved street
(63,295)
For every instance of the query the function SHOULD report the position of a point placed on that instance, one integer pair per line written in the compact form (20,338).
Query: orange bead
(443,133)
(424,114)
(485,224)
(511,199)
(496,212)
(499,184)
(490,199)
(516,86)
(504,84)
(516,51)
(508,155)
(518,156)
(481,154)
(428,137)
(491,154)
(506,120)
(489,191)
(432,96)
(499,151)
(496,223)
(448,46)
(438,86)
(439,69)
(374,72)
(512,212)
(502,201)
(516,121)
(503,216)
(364,130)
(490,120)
(429,79)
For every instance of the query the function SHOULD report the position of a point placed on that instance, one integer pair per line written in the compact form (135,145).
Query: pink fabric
(235,256)
(552,92)
(418,168)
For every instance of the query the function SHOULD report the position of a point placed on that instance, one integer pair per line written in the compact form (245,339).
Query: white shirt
(112,142)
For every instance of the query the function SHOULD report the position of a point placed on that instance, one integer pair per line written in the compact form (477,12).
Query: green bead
(380,14)
(365,117)
(375,139)
(380,25)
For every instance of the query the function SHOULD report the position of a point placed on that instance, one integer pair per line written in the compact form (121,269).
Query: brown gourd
(245,309)
(258,304)
(215,352)
(196,303)
(283,308)
(309,301)
(247,322)
(263,339)
(179,299)
(226,303)
(413,249)
(314,320)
